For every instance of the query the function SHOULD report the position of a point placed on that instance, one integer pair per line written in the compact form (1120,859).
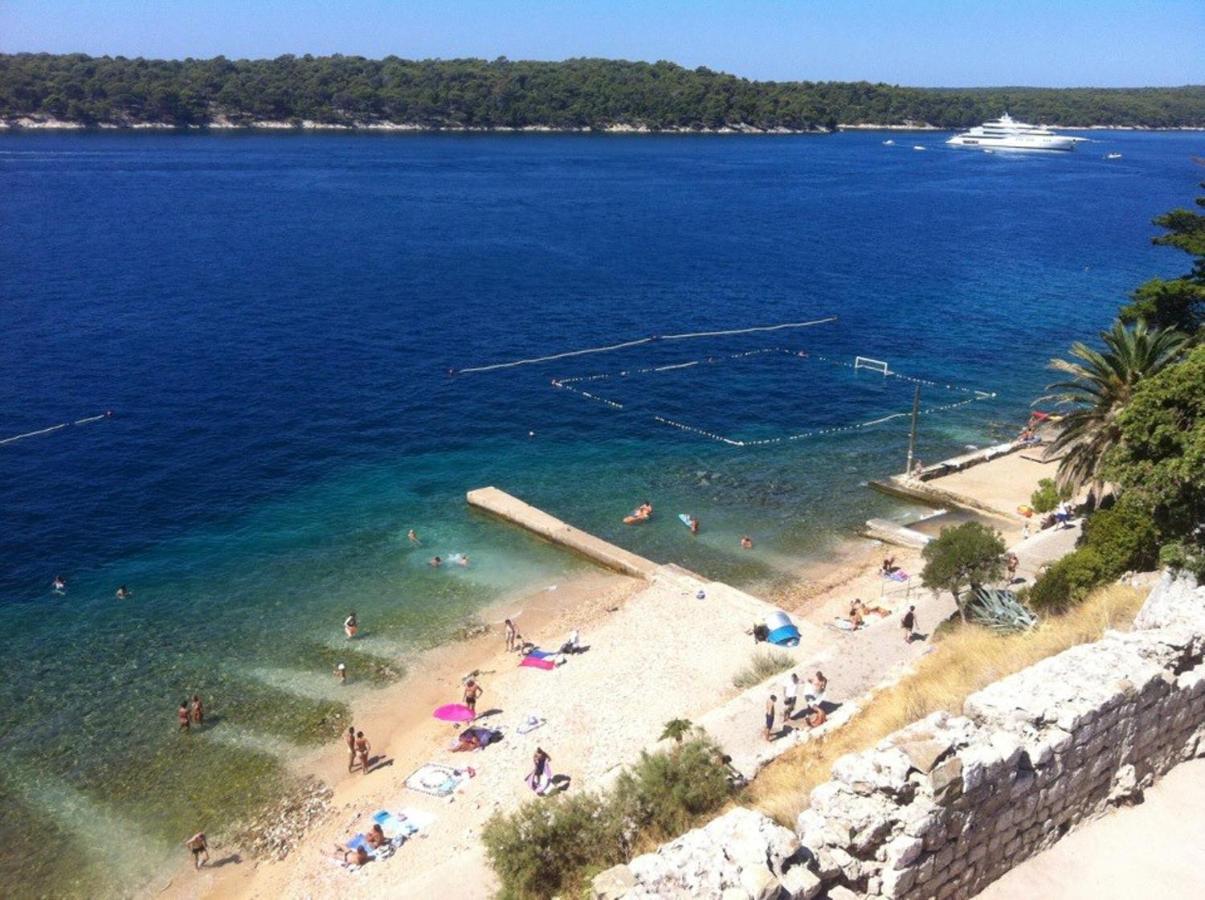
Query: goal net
(876,365)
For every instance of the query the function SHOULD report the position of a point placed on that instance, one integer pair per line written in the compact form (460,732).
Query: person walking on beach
(350,625)
(510,635)
(350,740)
(770,709)
(908,623)
(540,776)
(790,693)
(363,748)
(198,711)
(182,715)
(199,847)
(472,690)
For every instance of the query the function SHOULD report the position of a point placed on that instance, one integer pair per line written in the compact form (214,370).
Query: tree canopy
(575,93)
(965,556)
(1175,302)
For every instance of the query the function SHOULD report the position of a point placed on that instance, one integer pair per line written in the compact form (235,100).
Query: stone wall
(944,807)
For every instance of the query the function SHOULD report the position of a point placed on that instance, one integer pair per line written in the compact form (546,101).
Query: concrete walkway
(1155,849)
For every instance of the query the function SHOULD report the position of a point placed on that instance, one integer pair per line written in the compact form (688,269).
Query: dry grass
(966,660)
(763,665)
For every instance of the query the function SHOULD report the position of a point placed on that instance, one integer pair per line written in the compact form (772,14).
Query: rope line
(974,395)
(29,434)
(636,343)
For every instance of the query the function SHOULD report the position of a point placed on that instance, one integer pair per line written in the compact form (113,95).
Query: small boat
(917,147)
(889,143)
(1112,156)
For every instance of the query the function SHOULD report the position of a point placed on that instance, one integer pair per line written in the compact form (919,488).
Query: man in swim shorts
(770,708)
(199,847)
(350,740)
(472,690)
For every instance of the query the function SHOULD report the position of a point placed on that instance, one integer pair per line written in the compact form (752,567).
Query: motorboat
(1006,133)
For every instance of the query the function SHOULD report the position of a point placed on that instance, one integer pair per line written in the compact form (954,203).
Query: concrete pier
(514,510)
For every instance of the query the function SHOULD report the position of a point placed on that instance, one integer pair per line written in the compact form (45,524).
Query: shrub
(762,666)
(1180,556)
(539,848)
(664,792)
(1048,495)
(1124,536)
(965,556)
(1068,581)
(548,846)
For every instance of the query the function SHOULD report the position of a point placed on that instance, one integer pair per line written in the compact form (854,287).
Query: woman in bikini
(362,748)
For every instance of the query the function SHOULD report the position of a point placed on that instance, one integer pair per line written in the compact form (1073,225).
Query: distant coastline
(30,123)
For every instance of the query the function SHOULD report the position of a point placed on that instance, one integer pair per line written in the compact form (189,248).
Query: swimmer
(436,562)
(462,559)
(123,593)
(182,716)
(198,710)
(412,537)
(350,625)
(59,586)
(746,542)
(694,525)
(341,673)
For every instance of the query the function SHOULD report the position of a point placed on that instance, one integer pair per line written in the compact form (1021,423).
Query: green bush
(1048,495)
(549,846)
(761,667)
(1067,581)
(1125,537)
(664,792)
(1181,556)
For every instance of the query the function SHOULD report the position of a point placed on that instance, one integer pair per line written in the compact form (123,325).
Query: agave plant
(999,610)
(1101,385)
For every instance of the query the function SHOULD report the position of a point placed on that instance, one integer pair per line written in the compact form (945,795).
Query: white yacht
(1006,133)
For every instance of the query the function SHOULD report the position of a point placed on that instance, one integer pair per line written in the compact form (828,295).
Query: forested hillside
(577,93)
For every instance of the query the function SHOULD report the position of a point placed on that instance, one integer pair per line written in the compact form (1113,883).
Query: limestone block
(896,883)
(946,779)
(801,884)
(613,884)
(903,851)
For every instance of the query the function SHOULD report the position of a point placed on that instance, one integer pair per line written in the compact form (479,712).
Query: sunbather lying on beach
(376,837)
(357,857)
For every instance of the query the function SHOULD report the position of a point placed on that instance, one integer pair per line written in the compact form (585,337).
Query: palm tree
(677,729)
(1101,385)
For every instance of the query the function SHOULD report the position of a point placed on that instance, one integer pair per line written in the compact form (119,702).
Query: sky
(950,43)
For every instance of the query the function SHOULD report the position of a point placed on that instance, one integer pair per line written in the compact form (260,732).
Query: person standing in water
(123,593)
(350,625)
(59,586)
(746,542)
(694,525)
(182,715)
(412,536)
(198,711)
(341,673)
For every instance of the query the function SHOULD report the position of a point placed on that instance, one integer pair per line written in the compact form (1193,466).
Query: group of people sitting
(372,847)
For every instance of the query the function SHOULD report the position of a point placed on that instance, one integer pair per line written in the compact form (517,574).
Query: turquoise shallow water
(272,318)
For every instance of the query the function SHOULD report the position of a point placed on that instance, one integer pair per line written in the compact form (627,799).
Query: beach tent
(782,630)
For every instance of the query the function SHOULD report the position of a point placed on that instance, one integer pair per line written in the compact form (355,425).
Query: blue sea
(272,321)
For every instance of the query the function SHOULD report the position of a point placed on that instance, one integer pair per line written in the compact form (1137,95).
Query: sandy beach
(657,651)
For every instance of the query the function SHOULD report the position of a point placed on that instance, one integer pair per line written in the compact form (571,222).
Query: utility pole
(912,436)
